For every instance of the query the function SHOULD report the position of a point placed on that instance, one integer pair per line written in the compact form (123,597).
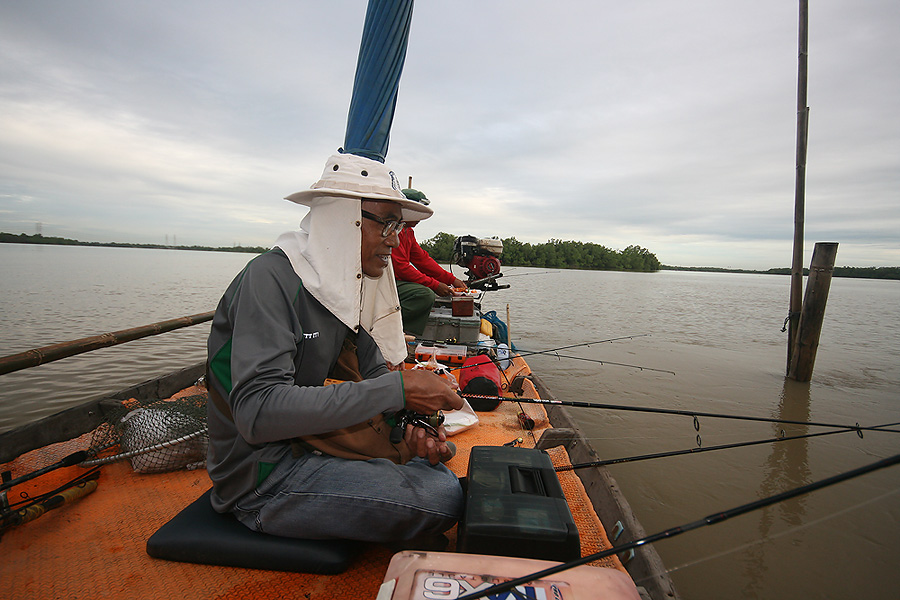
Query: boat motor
(481,258)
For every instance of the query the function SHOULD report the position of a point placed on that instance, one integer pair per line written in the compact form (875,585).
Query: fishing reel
(404,417)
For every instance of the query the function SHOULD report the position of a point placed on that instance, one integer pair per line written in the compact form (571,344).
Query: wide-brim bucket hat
(351,176)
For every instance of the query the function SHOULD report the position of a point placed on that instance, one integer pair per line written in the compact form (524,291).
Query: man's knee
(417,295)
(452,493)
(426,295)
(444,507)
(415,303)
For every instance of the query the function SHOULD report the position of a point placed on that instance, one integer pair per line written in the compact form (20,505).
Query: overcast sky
(669,125)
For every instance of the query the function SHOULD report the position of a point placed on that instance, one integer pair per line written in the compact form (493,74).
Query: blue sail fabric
(382,53)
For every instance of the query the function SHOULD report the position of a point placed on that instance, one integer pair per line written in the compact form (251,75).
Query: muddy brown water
(719,333)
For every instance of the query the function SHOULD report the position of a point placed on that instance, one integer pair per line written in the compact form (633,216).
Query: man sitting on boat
(419,277)
(289,455)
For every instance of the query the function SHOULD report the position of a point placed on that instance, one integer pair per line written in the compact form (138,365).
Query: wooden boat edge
(80,419)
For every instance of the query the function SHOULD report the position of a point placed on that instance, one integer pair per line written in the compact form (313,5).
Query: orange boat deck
(95,546)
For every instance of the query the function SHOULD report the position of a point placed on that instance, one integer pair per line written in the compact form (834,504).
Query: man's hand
(459,284)
(427,393)
(427,446)
(443,289)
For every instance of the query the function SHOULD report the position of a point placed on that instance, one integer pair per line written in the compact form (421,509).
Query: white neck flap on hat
(325,253)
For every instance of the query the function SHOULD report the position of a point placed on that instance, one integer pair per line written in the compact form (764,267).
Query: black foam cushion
(199,534)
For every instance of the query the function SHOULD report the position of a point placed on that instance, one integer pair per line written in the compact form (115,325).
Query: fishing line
(555,352)
(775,536)
(579,345)
(519,404)
(552,350)
(604,362)
(781,438)
(687,413)
(711,519)
(521,409)
(527,274)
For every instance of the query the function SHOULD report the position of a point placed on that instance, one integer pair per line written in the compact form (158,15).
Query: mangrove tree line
(555,254)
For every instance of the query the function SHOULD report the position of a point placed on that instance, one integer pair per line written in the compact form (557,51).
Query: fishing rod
(492,279)
(32,508)
(554,351)
(712,519)
(673,411)
(28,501)
(615,339)
(527,274)
(607,362)
(70,460)
(781,438)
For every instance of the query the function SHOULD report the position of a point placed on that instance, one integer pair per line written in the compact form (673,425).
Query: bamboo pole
(819,282)
(800,184)
(39,356)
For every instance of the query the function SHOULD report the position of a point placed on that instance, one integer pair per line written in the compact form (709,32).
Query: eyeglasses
(389,226)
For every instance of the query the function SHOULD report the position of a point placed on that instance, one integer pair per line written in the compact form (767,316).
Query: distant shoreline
(858,272)
(11,238)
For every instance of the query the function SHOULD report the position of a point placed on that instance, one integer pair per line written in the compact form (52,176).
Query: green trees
(556,254)
(440,247)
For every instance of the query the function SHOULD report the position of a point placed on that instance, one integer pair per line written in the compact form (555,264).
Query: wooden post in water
(803,356)
(799,185)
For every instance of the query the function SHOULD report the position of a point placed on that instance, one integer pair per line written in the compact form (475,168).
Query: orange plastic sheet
(95,547)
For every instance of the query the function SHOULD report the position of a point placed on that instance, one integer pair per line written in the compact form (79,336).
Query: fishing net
(155,435)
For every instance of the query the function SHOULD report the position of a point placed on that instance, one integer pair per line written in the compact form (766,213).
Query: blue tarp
(382,53)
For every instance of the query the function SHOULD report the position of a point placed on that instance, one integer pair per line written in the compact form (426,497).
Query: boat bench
(199,534)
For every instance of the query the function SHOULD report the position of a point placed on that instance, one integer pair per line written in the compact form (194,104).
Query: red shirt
(412,263)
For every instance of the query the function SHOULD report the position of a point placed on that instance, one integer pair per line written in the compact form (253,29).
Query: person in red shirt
(419,277)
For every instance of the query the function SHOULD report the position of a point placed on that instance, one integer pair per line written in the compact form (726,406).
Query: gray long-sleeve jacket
(271,346)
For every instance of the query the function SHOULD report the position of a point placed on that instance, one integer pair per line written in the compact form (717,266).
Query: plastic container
(442,353)
(503,356)
(416,575)
(462,307)
(515,506)
(442,326)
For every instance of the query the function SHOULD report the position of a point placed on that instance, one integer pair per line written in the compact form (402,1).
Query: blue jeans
(323,497)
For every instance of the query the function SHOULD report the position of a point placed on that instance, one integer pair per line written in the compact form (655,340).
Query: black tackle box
(515,507)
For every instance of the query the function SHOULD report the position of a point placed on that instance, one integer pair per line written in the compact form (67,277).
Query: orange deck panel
(95,547)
